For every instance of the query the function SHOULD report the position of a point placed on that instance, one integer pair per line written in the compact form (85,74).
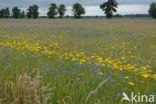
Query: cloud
(96,11)
(45,3)
(133,9)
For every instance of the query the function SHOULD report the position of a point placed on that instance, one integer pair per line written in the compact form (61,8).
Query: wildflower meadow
(77,61)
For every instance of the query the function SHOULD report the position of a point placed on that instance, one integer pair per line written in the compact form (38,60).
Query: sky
(91,6)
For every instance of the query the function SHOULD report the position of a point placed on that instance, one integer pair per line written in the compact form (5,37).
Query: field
(68,61)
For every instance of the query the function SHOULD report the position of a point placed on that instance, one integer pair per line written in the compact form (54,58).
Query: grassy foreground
(76,61)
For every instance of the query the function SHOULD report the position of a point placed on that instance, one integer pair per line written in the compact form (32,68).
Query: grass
(25,90)
(90,61)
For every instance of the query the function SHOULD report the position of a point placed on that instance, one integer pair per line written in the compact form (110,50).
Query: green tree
(29,12)
(61,10)
(32,11)
(52,11)
(5,13)
(22,14)
(78,10)
(16,12)
(35,11)
(2,11)
(1,14)
(152,10)
(109,7)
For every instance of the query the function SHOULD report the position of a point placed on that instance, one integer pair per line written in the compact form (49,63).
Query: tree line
(109,7)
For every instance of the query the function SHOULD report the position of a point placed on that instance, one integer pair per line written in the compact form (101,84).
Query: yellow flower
(126,77)
(145,75)
(153,76)
(131,83)
(100,60)
(73,59)
(93,56)
(100,73)
(82,61)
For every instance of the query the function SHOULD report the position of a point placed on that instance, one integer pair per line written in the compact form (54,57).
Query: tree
(16,12)
(32,11)
(152,9)
(2,11)
(78,10)
(52,11)
(5,13)
(1,14)
(29,12)
(35,11)
(61,10)
(109,7)
(22,14)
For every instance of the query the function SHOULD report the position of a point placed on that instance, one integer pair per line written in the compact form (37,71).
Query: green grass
(71,81)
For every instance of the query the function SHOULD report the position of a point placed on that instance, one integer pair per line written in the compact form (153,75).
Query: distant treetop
(109,7)
(152,9)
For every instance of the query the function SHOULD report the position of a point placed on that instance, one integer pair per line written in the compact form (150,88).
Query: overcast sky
(91,6)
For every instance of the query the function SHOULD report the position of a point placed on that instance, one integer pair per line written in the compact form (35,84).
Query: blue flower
(81,75)
(93,92)
(77,78)
(109,73)
(64,72)
(95,71)
(109,78)
(122,77)
(112,81)
(74,73)
(56,77)
(97,65)
(110,67)
(116,95)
